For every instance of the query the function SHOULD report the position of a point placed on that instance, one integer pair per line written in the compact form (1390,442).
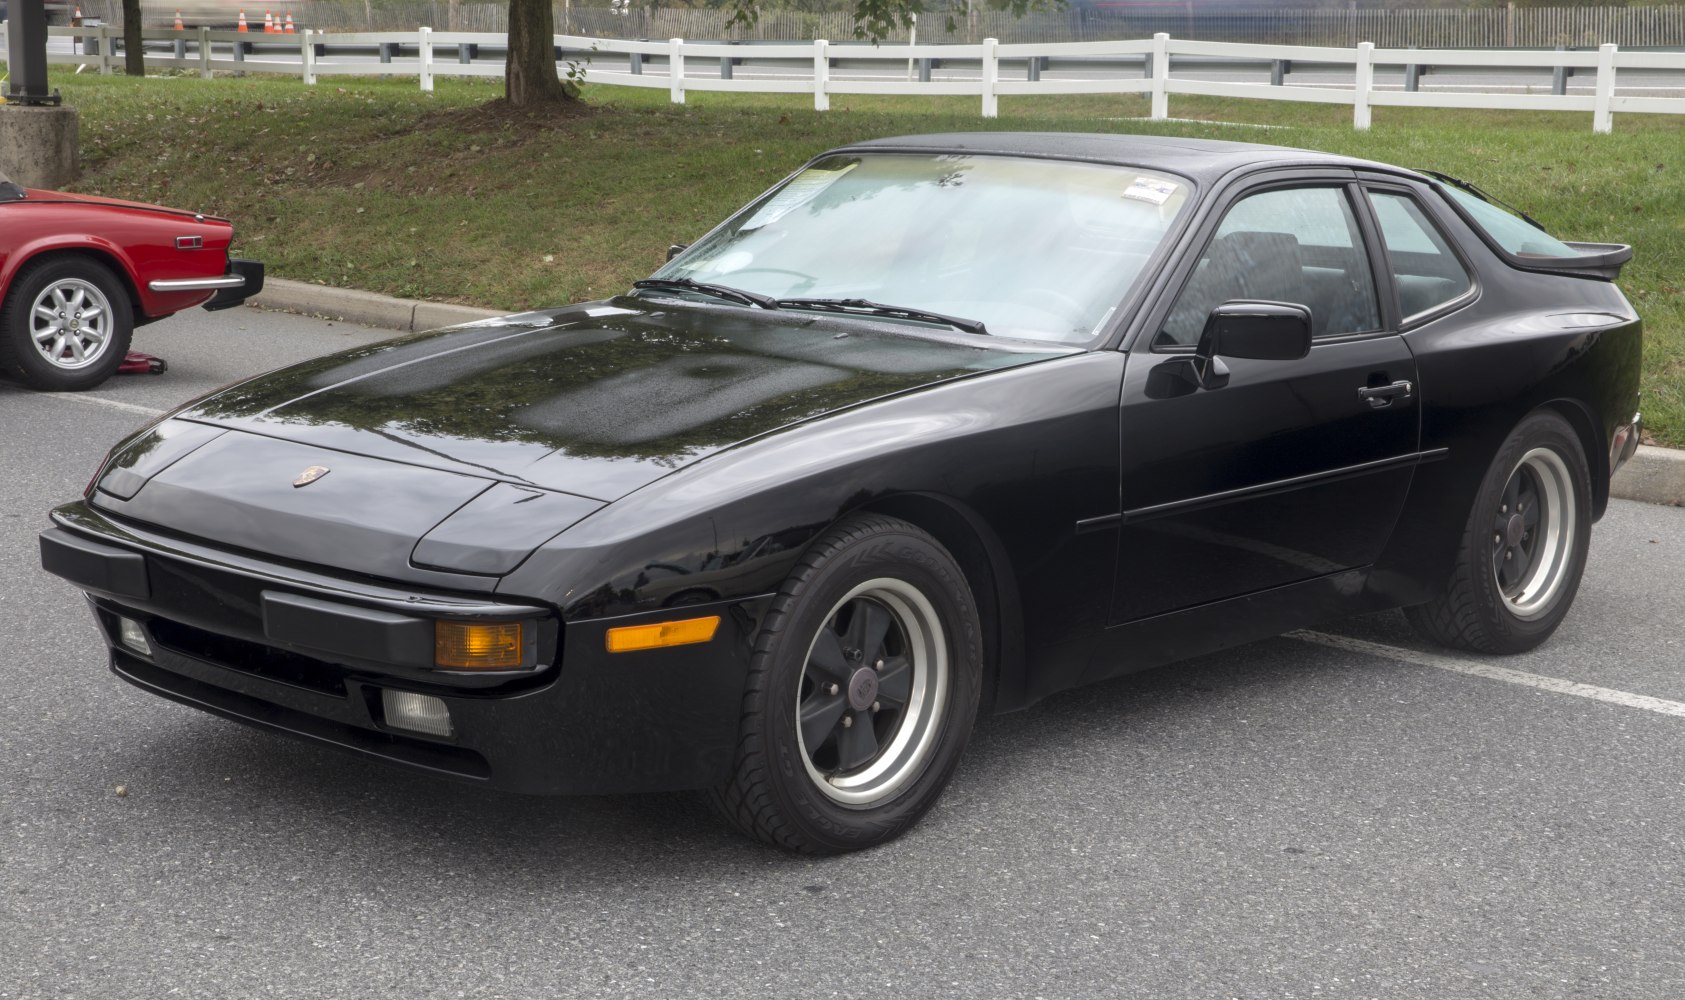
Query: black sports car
(939,425)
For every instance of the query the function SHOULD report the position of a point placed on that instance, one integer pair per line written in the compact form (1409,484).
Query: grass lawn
(374,185)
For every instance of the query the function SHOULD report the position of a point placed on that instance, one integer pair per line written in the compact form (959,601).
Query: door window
(1299,245)
(1427,272)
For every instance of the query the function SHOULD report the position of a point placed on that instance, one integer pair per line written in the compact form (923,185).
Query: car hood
(595,400)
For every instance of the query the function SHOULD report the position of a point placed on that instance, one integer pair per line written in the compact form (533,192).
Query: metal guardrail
(822,68)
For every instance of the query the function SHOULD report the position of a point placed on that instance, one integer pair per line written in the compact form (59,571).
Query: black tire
(1524,546)
(81,347)
(880,594)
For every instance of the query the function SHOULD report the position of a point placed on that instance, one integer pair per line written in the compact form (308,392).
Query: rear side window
(1516,236)
(1426,271)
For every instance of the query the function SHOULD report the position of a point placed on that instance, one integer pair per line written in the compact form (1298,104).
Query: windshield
(1513,234)
(1032,248)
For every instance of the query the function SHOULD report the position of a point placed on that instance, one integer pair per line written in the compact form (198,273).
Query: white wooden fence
(1253,22)
(369,54)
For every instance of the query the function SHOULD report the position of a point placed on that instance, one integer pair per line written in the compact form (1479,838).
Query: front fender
(1027,452)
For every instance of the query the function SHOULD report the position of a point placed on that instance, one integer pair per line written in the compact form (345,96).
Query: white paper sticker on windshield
(1151,189)
(804,188)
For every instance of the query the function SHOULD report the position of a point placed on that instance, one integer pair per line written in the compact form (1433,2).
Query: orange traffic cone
(242,24)
(290,29)
(76,18)
(179,25)
(269,22)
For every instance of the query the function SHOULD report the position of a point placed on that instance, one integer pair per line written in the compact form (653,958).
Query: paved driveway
(1346,814)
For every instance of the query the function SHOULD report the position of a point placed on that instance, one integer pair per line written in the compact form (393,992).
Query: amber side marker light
(680,633)
(477,646)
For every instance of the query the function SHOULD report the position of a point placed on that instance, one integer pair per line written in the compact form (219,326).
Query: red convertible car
(78,273)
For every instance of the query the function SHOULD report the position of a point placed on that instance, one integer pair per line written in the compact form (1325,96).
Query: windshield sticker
(803,189)
(1151,190)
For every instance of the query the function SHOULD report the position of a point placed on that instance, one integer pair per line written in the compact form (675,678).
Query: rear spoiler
(1602,261)
(1596,260)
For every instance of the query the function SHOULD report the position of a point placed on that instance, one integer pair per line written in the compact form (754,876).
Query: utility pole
(26,54)
(37,133)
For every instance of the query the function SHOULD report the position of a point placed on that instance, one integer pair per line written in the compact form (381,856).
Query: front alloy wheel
(861,693)
(875,683)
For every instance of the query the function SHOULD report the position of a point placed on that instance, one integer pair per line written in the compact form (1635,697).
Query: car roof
(1201,160)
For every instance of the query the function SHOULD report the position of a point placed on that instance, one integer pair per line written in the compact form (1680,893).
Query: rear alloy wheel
(1533,534)
(861,694)
(66,324)
(1524,547)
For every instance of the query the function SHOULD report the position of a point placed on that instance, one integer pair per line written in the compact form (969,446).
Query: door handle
(1378,396)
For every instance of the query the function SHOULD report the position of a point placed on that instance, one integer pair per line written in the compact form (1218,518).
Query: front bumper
(582,721)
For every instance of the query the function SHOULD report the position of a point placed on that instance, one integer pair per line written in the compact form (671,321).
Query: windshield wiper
(866,307)
(1483,196)
(726,292)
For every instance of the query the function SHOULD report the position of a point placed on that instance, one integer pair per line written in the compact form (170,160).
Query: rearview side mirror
(1260,331)
(676,249)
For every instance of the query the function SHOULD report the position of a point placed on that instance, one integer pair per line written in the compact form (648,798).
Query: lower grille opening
(455,762)
(251,657)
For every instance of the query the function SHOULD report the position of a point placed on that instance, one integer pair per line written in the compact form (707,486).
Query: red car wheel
(65,325)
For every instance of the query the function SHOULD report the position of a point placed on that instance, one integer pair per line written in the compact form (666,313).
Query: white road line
(76,397)
(1479,668)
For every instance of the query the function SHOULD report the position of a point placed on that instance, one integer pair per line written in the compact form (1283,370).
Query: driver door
(1291,471)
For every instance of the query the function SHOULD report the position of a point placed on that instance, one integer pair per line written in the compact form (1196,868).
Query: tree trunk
(134,53)
(529,75)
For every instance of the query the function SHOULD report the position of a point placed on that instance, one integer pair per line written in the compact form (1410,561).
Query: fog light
(476,646)
(418,713)
(131,634)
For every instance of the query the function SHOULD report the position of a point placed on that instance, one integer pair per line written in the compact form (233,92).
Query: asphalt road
(1291,819)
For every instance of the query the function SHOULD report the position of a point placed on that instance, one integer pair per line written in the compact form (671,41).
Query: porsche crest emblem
(310,475)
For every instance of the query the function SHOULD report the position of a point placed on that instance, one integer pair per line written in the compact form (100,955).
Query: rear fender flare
(92,247)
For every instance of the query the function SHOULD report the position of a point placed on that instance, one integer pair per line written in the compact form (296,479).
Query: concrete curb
(1652,475)
(367,308)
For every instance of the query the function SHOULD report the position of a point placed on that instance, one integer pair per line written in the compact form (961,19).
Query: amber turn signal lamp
(680,633)
(476,645)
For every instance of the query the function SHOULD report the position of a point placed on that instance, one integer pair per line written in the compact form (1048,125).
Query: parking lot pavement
(1289,819)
